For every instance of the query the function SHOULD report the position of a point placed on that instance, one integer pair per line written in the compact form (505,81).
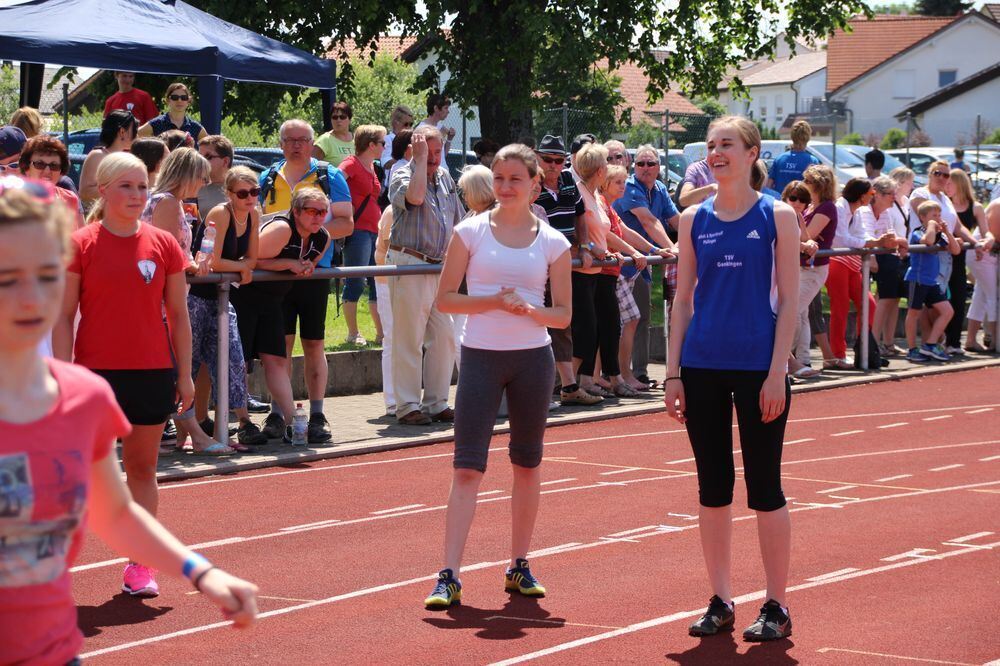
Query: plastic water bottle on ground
(207,244)
(300,424)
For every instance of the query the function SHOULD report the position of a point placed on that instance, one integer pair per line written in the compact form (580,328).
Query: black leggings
(958,290)
(596,322)
(709,397)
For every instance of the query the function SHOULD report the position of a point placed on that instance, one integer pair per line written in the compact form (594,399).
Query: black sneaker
(169,433)
(286,437)
(319,429)
(208,427)
(719,616)
(520,579)
(772,624)
(255,406)
(249,434)
(274,426)
(446,592)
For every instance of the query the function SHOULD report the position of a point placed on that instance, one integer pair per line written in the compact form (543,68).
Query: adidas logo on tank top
(753,234)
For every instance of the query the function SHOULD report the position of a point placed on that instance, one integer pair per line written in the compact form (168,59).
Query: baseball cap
(551,145)
(12,141)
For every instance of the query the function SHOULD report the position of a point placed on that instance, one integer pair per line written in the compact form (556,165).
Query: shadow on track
(510,622)
(722,649)
(120,610)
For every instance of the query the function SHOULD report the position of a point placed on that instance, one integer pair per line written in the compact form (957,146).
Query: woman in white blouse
(884,218)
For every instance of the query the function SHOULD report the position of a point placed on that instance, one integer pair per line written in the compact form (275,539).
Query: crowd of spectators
(361,195)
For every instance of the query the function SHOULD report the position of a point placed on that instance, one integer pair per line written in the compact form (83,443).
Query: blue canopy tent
(155,37)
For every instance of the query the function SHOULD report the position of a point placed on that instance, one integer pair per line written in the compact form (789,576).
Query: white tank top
(493,266)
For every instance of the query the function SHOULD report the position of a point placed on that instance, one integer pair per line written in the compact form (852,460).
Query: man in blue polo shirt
(646,208)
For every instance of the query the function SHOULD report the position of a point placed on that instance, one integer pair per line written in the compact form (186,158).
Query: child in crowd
(923,288)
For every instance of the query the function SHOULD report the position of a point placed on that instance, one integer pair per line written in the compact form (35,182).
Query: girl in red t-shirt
(122,277)
(58,423)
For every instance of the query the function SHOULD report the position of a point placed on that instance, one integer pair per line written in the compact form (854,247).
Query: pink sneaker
(139,581)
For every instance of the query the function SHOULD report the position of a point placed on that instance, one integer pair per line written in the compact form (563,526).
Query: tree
(894,138)
(852,139)
(941,7)
(893,8)
(10,93)
(495,50)
(378,87)
(710,105)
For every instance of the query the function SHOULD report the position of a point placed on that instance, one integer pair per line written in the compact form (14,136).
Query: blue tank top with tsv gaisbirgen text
(736,296)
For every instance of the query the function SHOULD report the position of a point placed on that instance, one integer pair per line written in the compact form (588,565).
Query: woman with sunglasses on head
(292,242)
(732,325)
(178,101)
(118,130)
(334,146)
(45,158)
(58,424)
(123,276)
(236,224)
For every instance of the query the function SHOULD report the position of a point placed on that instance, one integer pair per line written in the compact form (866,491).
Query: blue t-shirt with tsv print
(790,166)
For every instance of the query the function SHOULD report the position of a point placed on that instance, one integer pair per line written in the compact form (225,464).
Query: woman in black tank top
(235,251)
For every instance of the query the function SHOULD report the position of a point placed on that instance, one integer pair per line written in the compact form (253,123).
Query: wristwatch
(588,247)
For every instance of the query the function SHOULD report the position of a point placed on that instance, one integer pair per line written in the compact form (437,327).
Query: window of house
(763,108)
(779,107)
(904,83)
(947,77)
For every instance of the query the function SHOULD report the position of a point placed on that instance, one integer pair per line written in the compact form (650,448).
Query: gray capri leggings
(817,322)
(484,374)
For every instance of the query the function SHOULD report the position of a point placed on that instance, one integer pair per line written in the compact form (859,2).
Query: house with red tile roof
(884,66)
(777,88)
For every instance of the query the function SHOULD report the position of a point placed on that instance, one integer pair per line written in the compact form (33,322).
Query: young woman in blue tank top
(733,320)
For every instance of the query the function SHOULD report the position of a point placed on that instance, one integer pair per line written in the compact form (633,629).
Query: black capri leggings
(484,375)
(596,322)
(709,397)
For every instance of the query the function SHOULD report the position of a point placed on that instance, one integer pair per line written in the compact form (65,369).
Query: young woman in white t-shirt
(506,255)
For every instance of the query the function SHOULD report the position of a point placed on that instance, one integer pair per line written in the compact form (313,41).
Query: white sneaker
(955,350)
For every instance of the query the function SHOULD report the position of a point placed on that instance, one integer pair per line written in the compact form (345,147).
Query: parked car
(891,162)
(79,142)
(456,162)
(848,165)
(75,167)
(920,159)
(669,176)
(264,157)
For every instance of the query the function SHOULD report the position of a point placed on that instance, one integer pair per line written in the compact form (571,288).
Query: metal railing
(224,280)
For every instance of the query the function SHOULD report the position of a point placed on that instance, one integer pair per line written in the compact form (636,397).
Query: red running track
(894,489)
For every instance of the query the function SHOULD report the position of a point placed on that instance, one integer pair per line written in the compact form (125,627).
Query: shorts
(305,303)
(628,309)
(260,321)
(925,294)
(889,277)
(147,397)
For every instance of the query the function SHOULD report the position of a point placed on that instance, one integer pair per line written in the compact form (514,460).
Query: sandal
(837,364)
(604,382)
(596,390)
(214,449)
(236,446)
(623,390)
(806,372)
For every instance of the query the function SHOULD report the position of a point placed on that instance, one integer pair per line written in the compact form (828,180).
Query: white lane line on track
(489,492)
(970,537)
(893,425)
(560,623)
(368,463)
(684,615)
(846,432)
(678,462)
(552,483)
(943,468)
(620,471)
(980,411)
(633,531)
(887,453)
(834,490)
(937,418)
(796,441)
(560,549)
(893,656)
(834,574)
(318,522)
(893,478)
(688,516)
(914,553)
(989,458)
(397,509)
(842,497)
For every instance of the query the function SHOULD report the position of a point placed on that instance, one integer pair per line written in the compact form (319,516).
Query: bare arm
(62,332)
(88,176)
(131,531)
(653,227)
(341,222)
(691,195)
(145,130)
(816,225)
(417,188)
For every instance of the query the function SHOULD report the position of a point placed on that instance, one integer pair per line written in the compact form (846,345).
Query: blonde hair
(963,184)
(240,174)
(366,135)
(476,183)
(802,131)
(304,195)
(113,167)
(901,174)
(758,175)
(590,159)
(181,166)
(938,164)
(926,208)
(884,185)
(520,153)
(400,113)
(823,179)
(745,128)
(614,171)
(20,207)
(28,120)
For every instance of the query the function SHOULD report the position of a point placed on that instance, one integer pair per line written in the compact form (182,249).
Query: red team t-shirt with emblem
(122,283)
(44,473)
(137,101)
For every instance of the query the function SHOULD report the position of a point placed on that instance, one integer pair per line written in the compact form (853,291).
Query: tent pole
(210,94)
(329,97)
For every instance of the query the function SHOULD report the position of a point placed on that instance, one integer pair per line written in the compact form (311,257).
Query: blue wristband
(193,561)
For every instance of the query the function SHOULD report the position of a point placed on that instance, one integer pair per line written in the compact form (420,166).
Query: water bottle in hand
(300,424)
(207,244)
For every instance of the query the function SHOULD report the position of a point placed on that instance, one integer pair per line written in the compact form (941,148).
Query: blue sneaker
(519,579)
(914,356)
(448,591)
(936,352)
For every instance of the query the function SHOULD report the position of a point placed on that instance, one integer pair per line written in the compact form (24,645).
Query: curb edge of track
(295,457)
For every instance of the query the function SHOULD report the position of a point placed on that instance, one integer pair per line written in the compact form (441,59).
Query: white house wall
(877,98)
(768,97)
(954,122)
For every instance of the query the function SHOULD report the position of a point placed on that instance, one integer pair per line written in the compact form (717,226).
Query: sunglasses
(179,98)
(211,157)
(940,174)
(408,125)
(42,166)
(314,212)
(647,164)
(795,199)
(294,140)
(339,116)
(243,194)
(553,160)
(616,157)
